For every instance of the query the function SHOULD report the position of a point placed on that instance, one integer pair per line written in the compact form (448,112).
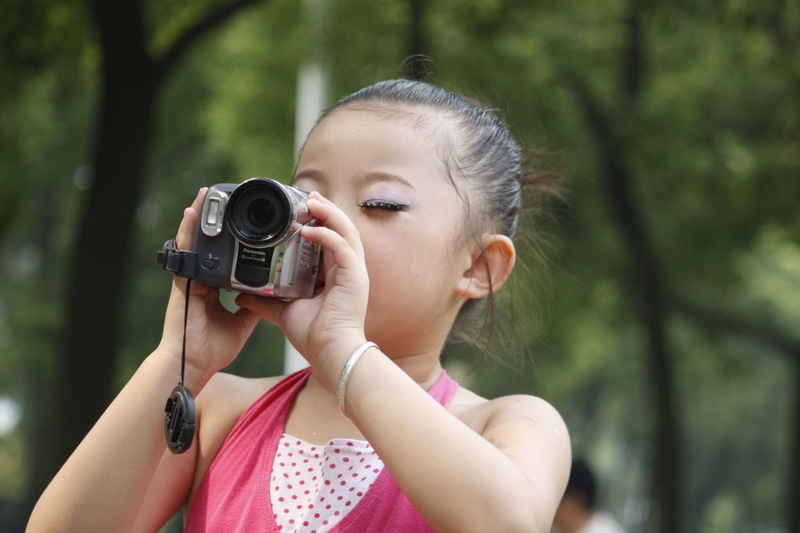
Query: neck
(321,420)
(423,369)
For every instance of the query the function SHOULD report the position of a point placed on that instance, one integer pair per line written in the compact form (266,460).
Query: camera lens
(259,212)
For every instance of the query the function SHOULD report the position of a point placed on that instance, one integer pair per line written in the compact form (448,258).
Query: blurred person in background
(577,512)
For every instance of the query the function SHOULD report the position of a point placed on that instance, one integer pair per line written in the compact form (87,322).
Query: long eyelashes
(377,204)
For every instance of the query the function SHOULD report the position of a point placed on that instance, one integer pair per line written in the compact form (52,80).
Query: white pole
(312,99)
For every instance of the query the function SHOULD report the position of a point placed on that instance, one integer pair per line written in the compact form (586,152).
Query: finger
(337,248)
(330,216)
(270,309)
(185,236)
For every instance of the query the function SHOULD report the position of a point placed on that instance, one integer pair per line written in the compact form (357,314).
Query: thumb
(185,236)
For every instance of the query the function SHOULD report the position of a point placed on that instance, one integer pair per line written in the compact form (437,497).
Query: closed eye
(379,204)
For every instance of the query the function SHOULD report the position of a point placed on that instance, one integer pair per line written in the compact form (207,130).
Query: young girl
(417,193)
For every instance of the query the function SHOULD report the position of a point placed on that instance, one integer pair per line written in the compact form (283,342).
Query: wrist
(332,358)
(194,377)
(344,378)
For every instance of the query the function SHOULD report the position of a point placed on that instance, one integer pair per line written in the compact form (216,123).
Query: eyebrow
(365,179)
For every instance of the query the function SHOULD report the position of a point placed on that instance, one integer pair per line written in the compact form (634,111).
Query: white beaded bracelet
(347,371)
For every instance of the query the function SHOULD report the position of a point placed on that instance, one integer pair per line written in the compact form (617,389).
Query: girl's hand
(214,335)
(333,322)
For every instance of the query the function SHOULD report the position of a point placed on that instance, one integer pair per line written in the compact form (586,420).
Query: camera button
(210,264)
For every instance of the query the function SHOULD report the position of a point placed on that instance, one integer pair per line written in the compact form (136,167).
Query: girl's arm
(103,484)
(508,478)
(105,480)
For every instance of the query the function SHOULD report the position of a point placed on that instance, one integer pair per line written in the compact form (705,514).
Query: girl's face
(409,220)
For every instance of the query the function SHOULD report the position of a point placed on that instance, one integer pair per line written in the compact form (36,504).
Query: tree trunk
(91,334)
(416,44)
(651,303)
(90,340)
(793,499)
(647,282)
(667,463)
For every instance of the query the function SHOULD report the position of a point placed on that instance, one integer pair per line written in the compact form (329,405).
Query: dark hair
(479,148)
(485,155)
(582,483)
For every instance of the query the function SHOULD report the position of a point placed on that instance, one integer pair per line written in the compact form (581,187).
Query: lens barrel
(260,212)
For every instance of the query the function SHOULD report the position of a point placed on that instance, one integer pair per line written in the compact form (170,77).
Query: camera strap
(179,423)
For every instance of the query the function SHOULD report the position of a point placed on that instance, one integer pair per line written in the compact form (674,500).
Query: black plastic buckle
(182,263)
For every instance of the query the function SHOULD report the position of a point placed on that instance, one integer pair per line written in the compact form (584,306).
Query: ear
(489,268)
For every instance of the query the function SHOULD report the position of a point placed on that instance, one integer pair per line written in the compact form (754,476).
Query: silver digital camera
(248,239)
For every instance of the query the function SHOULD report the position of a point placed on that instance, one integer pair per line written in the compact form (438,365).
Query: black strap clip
(182,263)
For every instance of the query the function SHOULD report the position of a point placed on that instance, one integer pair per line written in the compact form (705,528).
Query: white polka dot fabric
(314,487)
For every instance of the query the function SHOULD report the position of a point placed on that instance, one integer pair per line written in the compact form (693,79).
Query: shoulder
(486,415)
(528,430)
(526,409)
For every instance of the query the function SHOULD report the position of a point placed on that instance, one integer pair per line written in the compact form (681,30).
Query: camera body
(248,239)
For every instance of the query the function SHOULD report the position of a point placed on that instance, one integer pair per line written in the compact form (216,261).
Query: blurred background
(663,322)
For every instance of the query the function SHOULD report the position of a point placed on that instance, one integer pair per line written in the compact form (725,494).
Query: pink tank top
(234,495)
